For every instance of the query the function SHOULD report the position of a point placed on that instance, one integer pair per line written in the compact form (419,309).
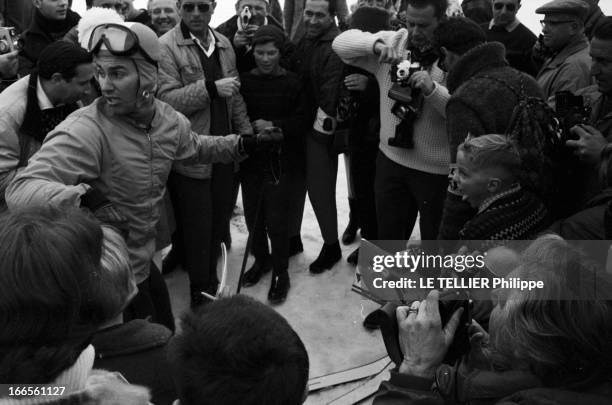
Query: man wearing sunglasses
(569,68)
(122,147)
(198,77)
(504,27)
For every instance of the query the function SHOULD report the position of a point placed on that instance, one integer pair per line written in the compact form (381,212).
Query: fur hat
(91,19)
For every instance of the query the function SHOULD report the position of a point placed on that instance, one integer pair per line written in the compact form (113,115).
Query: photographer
(524,358)
(593,138)
(409,181)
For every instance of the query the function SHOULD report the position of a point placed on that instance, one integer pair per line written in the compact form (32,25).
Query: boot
(279,287)
(353,258)
(350,232)
(170,262)
(295,245)
(257,270)
(329,255)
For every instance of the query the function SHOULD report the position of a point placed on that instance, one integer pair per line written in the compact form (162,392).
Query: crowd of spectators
(124,127)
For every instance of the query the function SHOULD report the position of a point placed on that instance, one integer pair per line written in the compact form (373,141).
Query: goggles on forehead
(119,41)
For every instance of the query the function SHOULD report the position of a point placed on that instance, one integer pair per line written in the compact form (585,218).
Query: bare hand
(242,38)
(387,53)
(228,86)
(422,339)
(260,125)
(589,146)
(9,64)
(422,80)
(356,82)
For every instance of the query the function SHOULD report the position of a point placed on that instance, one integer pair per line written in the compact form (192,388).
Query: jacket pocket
(191,73)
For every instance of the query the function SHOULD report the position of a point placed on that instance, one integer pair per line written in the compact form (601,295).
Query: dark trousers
(297,200)
(223,201)
(321,174)
(362,168)
(192,202)
(401,194)
(152,301)
(273,203)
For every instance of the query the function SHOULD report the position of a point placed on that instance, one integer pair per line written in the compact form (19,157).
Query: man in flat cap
(569,67)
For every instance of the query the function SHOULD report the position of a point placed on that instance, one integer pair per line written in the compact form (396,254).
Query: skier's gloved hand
(265,140)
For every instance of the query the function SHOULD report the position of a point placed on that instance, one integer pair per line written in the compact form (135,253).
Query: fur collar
(483,57)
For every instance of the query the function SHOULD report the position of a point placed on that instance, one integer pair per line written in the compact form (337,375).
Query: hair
(459,35)
(439,6)
(48,258)
(115,281)
(238,351)
(603,30)
(62,57)
(89,3)
(562,332)
(269,33)
(492,151)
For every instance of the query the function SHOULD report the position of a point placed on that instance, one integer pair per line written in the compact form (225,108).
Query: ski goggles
(119,41)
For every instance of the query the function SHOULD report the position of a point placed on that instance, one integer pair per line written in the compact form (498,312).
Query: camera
(245,16)
(9,40)
(408,101)
(450,301)
(570,111)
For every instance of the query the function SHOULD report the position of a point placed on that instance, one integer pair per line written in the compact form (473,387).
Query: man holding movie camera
(414,152)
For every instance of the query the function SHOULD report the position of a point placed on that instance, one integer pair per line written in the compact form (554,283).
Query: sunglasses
(555,23)
(510,7)
(202,7)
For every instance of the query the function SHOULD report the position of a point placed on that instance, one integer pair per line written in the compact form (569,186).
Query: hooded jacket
(127,163)
(182,85)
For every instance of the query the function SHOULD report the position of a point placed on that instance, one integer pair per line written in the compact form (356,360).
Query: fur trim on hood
(92,18)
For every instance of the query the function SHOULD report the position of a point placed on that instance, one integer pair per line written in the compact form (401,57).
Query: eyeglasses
(202,7)
(509,6)
(555,23)
(119,41)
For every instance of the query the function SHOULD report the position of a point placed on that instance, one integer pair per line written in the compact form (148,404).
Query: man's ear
(37,3)
(494,185)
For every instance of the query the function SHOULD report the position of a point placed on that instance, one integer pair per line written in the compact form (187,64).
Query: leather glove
(105,211)
(265,140)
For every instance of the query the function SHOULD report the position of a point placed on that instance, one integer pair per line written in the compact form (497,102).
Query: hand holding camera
(423,339)
(589,145)
(422,80)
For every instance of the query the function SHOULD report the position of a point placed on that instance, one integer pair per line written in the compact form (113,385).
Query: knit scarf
(514,214)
